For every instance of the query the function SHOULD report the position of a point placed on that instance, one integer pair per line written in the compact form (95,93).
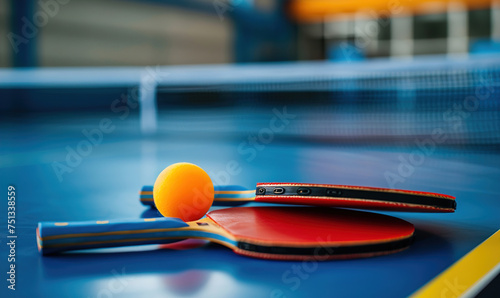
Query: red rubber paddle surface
(310,227)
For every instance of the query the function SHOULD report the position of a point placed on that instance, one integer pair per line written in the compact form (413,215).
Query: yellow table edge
(463,277)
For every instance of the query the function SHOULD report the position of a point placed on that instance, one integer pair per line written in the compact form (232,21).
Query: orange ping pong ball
(183,190)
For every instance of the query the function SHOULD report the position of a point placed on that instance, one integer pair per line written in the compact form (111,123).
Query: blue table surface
(105,185)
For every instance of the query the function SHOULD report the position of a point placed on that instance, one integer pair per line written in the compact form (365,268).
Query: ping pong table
(102,181)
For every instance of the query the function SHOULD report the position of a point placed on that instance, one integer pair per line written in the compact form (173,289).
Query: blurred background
(166,32)
(360,72)
(97,97)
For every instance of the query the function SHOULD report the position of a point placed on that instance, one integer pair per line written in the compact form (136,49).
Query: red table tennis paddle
(326,195)
(281,233)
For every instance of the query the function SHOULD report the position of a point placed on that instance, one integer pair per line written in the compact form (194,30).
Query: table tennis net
(374,106)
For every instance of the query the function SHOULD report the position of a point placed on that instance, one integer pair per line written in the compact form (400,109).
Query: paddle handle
(146,196)
(237,195)
(54,237)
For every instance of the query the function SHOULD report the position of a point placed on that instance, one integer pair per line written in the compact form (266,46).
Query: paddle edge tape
(323,251)
(467,275)
(354,196)
(317,257)
(364,188)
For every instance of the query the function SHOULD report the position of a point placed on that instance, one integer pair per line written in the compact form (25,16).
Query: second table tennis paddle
(326,195)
